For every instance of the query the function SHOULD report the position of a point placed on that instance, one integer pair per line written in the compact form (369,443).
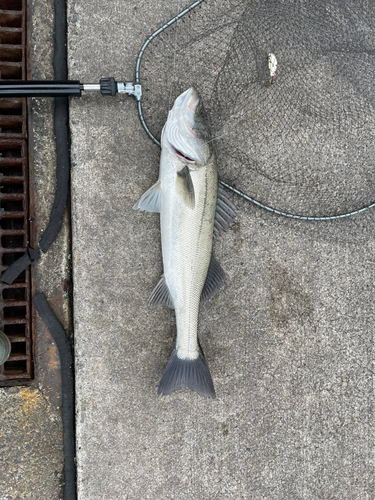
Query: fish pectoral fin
(150,200)
(185,187)
(161,295)
(215,278)
(225,212)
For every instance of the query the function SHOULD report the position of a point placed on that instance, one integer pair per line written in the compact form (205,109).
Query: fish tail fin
(191,373)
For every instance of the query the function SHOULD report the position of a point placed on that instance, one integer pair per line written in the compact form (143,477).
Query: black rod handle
(19,88)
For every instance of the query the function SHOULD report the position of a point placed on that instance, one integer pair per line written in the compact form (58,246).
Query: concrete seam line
(61,120)
(67,384)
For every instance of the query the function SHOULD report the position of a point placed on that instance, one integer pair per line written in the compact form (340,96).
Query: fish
(192,210)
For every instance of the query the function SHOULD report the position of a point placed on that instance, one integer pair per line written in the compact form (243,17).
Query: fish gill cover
(303,143)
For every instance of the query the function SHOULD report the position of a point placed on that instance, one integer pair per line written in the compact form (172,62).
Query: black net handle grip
(35,88)
(55,88)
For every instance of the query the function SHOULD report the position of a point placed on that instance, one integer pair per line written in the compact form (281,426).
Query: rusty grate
(15,300)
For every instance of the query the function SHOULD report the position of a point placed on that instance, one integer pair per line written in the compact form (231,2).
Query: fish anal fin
(185,187)
(225,212)
(215,278)
(150,200)
(161,295)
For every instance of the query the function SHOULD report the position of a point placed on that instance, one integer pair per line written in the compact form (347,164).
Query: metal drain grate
(15,300)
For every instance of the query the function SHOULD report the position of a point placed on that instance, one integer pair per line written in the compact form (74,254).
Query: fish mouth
(179,131)
(188,101)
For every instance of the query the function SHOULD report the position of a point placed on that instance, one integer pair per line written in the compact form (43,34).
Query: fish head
(186,133)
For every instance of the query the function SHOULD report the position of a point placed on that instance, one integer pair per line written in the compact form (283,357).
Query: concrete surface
(289,339)
(31,451)
(30,445)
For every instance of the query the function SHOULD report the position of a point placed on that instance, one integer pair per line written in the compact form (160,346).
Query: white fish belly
(186,236)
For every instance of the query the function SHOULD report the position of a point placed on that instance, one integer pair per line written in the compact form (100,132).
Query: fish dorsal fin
(215,278)
(225,212)
(185,187)
(150,200)
(161,295)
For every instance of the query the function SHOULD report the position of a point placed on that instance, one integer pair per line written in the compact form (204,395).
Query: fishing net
(303,143)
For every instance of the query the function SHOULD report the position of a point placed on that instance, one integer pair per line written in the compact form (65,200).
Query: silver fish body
(186,236)
(186,195)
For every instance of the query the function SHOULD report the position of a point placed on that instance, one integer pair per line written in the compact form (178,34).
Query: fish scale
(186,268)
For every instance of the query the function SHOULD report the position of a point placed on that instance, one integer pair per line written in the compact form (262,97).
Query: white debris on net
(272,65)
